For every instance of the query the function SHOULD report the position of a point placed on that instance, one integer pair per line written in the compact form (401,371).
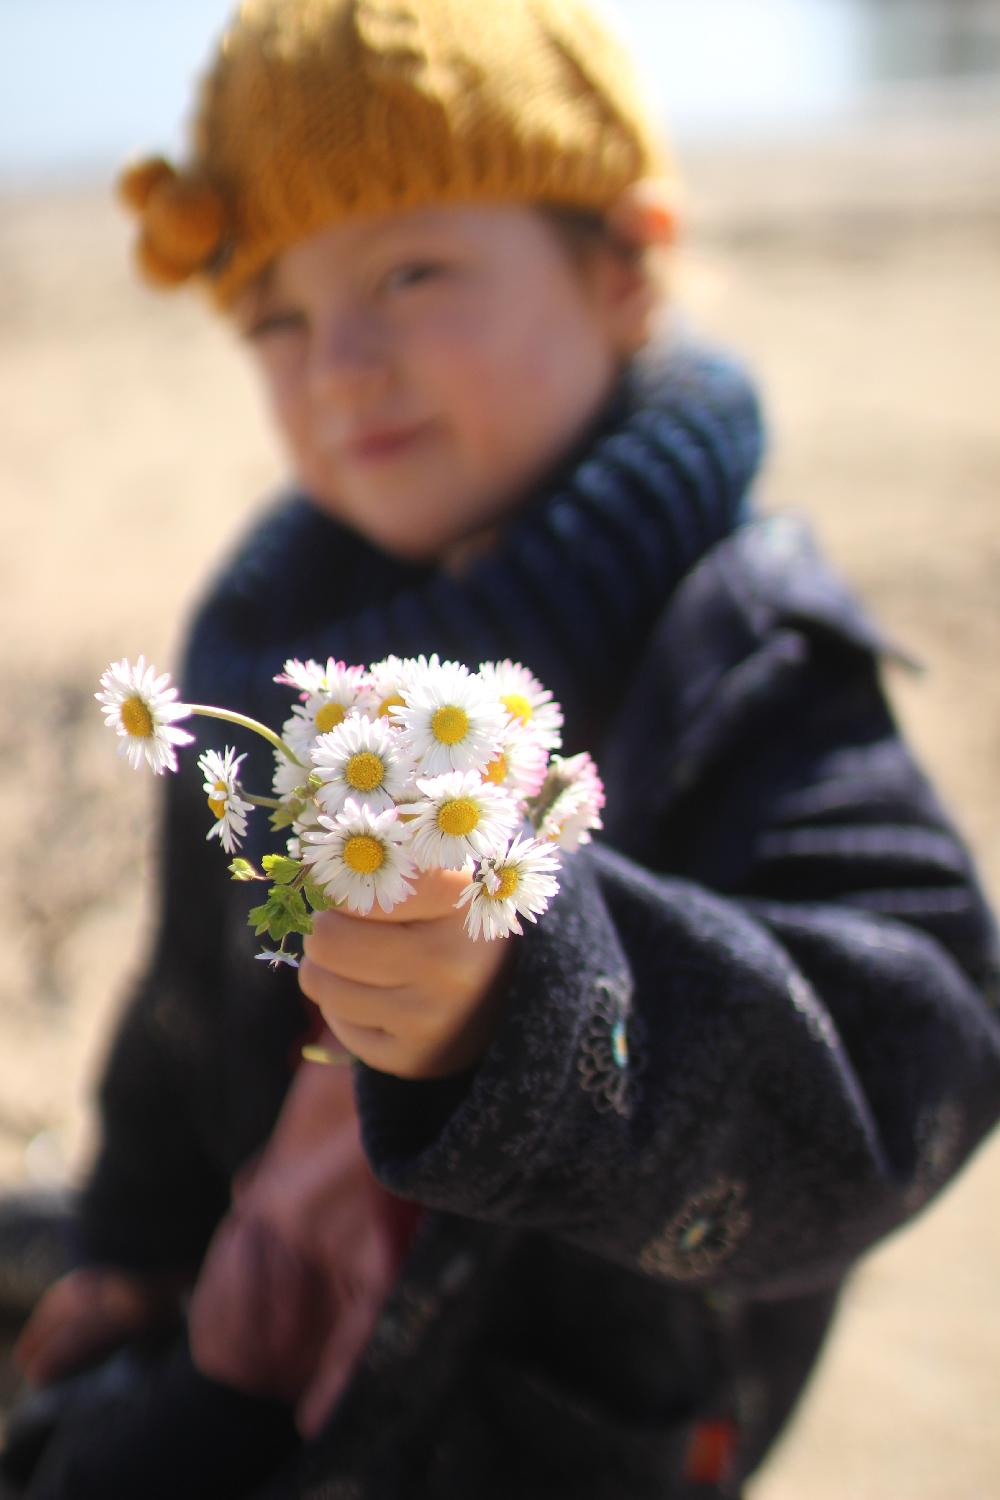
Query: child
(642,1145)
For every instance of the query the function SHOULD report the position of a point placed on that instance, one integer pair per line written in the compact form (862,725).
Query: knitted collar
(574,585)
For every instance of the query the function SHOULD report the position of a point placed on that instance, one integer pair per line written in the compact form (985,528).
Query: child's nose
(349,352)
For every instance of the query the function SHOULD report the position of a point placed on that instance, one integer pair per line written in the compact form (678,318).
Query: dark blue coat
(754,1033)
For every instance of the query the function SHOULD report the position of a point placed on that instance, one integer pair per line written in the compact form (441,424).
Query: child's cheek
(281,366)
(296,417)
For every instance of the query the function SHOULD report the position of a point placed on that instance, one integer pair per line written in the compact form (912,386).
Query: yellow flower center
(507,886)
(450,725)
(329,716)
(496,771)
(364,854)
(364,771)
(518,706)
(137,719)
(393,701)
(218,804)
(458,818)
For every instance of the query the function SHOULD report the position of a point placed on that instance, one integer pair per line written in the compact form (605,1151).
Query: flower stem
(260,801)
(208,712)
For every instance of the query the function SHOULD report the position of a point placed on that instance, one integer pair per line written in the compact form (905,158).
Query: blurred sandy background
(858,270)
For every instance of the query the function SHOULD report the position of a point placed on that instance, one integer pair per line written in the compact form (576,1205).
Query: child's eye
(412,273)
(274,323)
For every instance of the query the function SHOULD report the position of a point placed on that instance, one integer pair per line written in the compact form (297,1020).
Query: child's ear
(630,296)
(646,215)
(642,223)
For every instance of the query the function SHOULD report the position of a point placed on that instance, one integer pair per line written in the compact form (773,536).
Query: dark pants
(146,1425)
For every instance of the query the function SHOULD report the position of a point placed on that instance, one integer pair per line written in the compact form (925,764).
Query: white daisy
(364,759)
(140,707)
(460,817)
(520,881)
(519,765)
(339,690)
(578,796)
(386,680)
(360,857)
(524,699)
(451,721)
(221,773)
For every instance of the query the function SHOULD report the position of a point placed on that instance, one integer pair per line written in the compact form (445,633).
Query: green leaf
(259,918)
(285,815)
(242,869)
(283,912)
(552,788)
(317,897)
(281,868)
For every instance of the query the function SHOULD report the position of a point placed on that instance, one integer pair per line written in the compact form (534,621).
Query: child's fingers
(66,1301)
(418,1044)
(352,1330)
(352,1000)
(349,1007)
(394,1031)
(378,1049)
(63,1350)
(60,1342)
(353,949)
(434,895)
(386,954)
(415,998)
(85,1314)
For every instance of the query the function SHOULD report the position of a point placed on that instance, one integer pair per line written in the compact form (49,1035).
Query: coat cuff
(466,1145)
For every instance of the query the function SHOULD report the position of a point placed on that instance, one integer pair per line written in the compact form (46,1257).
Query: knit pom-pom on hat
(182,220)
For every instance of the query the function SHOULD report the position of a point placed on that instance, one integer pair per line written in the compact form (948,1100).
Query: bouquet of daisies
(382,772)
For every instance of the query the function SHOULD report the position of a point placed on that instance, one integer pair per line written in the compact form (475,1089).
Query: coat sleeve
(753,1067)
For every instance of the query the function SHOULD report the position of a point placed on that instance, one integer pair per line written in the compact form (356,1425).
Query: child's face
(426,367)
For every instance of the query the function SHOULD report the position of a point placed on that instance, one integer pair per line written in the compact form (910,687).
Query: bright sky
(84,83)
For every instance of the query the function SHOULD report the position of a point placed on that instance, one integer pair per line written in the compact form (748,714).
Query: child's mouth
(382,443)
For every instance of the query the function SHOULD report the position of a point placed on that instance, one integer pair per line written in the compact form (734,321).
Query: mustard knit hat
(314,111)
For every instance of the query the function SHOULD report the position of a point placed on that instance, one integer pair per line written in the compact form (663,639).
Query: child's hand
(86,1315)
(408,992)
(291,1287)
